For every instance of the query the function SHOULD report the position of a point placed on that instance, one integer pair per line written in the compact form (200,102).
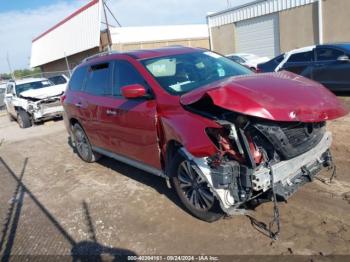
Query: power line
(109,10)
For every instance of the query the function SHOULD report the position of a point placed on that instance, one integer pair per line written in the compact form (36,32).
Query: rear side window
(58,80)
(302,57)
(326,54)
(125,74)
(98,81)
(77,80)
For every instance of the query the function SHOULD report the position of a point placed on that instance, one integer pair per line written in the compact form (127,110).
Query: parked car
(32,100)
(219,134)
(2,95)
(249,60)
(327,64)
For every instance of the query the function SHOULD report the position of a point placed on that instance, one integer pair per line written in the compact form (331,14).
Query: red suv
(219,134)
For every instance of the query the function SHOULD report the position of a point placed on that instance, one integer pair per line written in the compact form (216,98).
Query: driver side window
(125,74)
(328,54)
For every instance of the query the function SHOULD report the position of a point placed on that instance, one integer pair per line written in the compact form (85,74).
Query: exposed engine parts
(259,159)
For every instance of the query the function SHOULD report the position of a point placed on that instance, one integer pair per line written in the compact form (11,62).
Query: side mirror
(133,91)
(343,58)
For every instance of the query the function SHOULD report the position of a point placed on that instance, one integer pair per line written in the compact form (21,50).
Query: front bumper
(286,173)
(47,113)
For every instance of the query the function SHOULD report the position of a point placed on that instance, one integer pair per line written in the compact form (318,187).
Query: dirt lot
(53,203)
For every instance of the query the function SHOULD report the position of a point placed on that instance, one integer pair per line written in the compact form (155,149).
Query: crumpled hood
(281,96)
(45,92)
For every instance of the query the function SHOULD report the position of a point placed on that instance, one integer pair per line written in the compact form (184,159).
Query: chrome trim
(130,161)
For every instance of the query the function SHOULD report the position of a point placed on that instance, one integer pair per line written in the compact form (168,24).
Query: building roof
(157,33)
(77,32)
(251,10)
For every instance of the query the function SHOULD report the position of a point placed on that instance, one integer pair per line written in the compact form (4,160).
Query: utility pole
(67,64)
(320,22)
(108,32)
(9,64)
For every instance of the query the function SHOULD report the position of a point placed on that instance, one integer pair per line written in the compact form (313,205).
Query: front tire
(23,119)
(82,145)
(193,191)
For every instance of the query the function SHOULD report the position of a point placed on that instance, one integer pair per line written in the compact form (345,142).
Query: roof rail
(100,55)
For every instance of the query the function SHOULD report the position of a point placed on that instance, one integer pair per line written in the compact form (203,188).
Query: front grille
(291,139)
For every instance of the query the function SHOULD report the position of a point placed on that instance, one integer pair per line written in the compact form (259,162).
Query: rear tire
(23,119)
(193,191)
(82,145)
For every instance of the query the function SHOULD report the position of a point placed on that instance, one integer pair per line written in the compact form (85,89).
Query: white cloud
(18,28)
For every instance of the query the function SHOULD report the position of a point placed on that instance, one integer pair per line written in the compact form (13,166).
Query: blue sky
(16,5)
(23,20)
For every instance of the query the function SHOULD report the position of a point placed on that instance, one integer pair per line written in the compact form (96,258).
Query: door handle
(111,112)
(78,104)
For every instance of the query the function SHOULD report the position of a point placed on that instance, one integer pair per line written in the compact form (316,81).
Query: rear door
(300,63)
(128,126)
(331,72)
(97,89)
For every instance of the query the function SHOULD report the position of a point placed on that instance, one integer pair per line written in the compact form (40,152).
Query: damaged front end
(241,170)
(43,109)
(269,143)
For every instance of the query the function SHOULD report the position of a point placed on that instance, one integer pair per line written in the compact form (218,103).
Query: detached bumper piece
(307,175)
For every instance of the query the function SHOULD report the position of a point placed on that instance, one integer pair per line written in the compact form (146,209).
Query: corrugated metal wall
(255,9)
(78,32)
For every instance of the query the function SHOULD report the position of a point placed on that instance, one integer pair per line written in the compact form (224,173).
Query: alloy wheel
(194,187)
(82,144)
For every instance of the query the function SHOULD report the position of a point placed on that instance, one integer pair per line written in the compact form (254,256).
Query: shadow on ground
(88,250)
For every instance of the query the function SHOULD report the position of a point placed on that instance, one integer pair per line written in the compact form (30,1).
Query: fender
(189,130)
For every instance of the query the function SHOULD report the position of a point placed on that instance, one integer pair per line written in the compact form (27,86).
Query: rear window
(58,80)
(302,57)
(77,80)
(98,81)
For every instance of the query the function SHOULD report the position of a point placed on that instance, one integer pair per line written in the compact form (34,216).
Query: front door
(128,127)
(9,96)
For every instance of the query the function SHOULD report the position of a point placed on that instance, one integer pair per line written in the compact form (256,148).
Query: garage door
(258,36)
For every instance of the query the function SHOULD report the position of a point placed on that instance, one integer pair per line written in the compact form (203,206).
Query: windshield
(179,74)
(32,85)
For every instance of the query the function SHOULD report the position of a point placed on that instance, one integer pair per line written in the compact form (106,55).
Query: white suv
(33,100)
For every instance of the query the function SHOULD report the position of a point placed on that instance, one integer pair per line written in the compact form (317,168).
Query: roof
(251,10)
(345,46)
(144,54)
(137,34)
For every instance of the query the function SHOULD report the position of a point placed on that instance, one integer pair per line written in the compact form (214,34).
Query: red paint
(133,91)
(141,129)
(274,96)
(80,10)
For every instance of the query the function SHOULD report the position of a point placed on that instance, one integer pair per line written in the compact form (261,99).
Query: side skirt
(130,161)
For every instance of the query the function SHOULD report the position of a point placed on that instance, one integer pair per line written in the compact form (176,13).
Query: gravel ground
(52,203)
